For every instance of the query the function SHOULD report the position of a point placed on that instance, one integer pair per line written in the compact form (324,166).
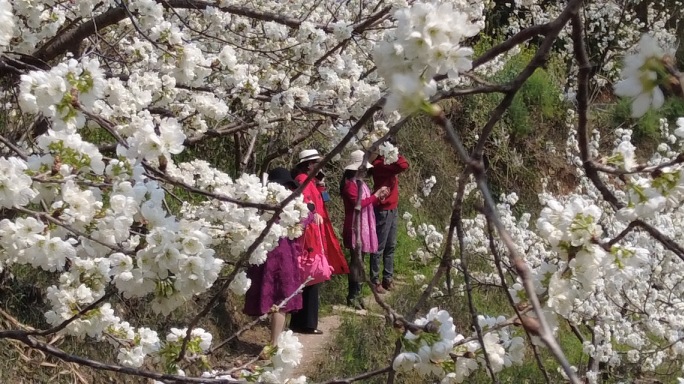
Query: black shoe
(308,331)
(313,331)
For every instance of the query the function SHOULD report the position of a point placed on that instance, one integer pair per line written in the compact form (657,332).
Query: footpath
(315,345)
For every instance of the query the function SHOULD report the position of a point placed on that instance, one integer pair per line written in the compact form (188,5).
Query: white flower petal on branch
(640,80)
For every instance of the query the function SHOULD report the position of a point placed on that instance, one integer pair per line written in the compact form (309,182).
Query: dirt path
(314,345)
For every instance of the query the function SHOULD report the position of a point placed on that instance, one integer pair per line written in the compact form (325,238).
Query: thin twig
(517,261)
(363,376)
(469,293)
(582,111)
(73,318)
(261,318)
(498,262)
(13,147)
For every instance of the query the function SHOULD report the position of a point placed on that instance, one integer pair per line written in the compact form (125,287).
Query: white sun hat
(356,158)
(308,155)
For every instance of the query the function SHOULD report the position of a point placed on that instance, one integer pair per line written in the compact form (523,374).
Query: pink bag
(314,265)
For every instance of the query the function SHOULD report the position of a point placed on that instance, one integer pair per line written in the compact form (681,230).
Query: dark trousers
(386,227)
(354,288)
(307,317)
(355,277)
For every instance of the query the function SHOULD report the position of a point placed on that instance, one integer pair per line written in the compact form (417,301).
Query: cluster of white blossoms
(431,237)
(107,220)
(240,226)
(451,357)
(15,185)
(428,184)
(573,231)
(6,23)
(288,356)
(366,138)
(410,228)
(416,201)
(389,152)
(422,256)
(170,258)
(63,91)
(611,27)
(426,42)
(94,214)
(624,290)
(642,76)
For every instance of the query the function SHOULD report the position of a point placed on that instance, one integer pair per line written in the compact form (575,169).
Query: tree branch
(582,110)
(34,343)
(516,259)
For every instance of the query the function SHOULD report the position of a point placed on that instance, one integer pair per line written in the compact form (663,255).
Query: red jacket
(321,238)
(386,175)
(349,195)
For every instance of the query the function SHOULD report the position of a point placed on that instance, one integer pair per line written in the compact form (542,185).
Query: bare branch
(498,262)
(447,255)
(34,343)
(469,292)
(363,376)
(47,217)
(13,147)
(582,110)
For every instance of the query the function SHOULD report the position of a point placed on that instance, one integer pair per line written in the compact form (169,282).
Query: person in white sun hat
(320,243)
(358,233)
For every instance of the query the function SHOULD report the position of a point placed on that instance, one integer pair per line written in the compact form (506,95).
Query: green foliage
(538,102)
(219,152)
(96,135)
(646,129)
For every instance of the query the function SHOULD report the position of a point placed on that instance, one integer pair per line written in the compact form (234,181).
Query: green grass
(646,129)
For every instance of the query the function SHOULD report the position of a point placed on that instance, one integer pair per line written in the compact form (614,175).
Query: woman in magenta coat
(278,277)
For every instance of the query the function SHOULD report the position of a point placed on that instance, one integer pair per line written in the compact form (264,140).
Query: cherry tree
(101,97)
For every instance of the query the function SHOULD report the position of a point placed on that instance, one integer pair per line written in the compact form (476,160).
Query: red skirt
(333,250)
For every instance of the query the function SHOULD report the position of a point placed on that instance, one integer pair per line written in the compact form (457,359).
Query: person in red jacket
(319,239)
(358,233)
(386,220)
(307,160)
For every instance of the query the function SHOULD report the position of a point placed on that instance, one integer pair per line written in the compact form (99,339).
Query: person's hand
(318,219)
(382,193)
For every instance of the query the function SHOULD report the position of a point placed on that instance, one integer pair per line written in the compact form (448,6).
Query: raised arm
(380,168)
(351,193)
